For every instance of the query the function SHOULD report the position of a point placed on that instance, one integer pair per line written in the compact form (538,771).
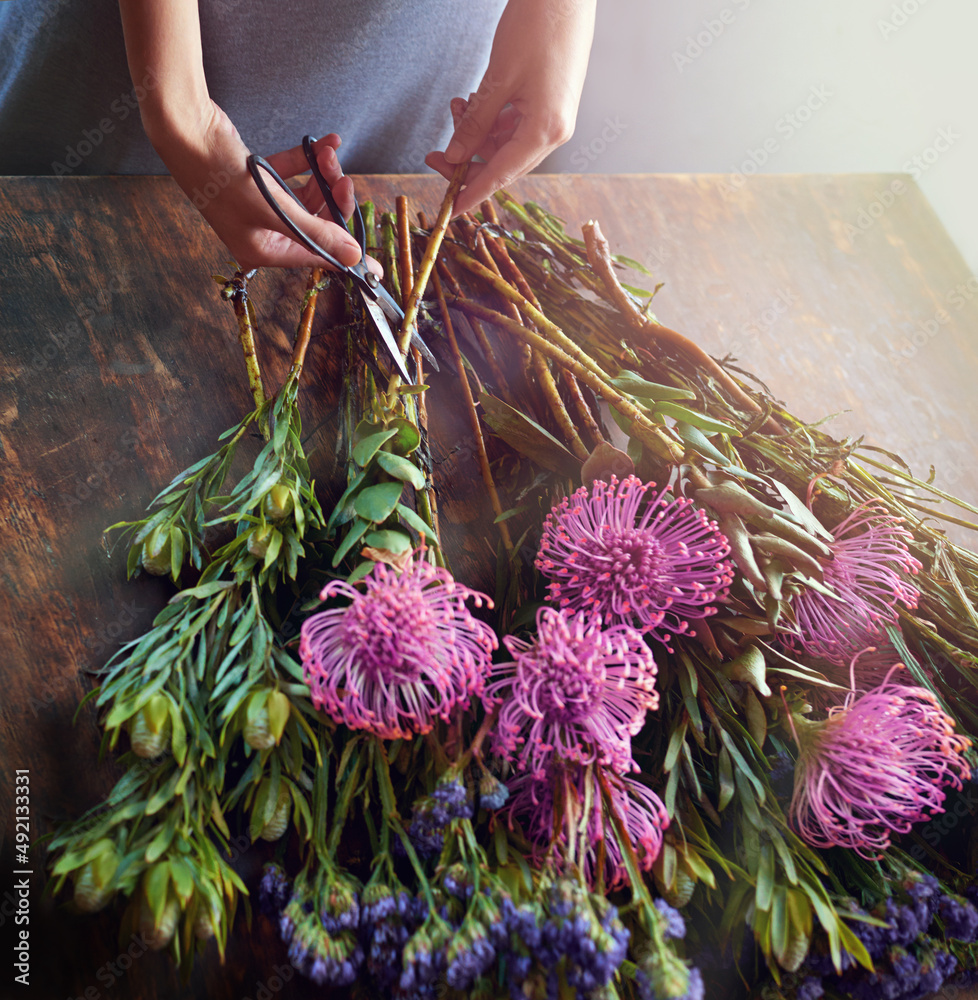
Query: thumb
(476,121)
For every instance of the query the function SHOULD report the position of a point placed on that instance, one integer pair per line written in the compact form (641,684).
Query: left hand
(526,104)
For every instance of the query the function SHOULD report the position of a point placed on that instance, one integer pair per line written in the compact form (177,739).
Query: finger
(477,120)
(293,161)
(333,238)
(277,249)
(344,196)
(310,193)
(519,156)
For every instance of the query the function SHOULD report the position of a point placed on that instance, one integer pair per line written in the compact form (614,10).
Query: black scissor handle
(256,164)
(360,231)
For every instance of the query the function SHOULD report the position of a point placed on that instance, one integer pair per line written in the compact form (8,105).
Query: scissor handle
(256,164)
(360,231)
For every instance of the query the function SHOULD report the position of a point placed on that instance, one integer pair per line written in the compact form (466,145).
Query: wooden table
(120,366)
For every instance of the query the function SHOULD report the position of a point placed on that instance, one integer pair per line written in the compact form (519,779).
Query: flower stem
(393,818)
(480,444)
(599,256)
(343,806)
(642,428)
(304,332)
(237,291)
(426,266)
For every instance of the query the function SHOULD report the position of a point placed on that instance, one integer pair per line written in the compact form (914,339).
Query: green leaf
(343,511)
(393,541)
(365,450)
(765,877)
(701,444)
(203,590)
(700,420)
(779,922)
(360,571)
(528,438)
(162,840)
(353,536)
(501,842)
(377,503)
(183,879)
(635,385)
(727,787)
(401,468)
(407,438)
(675,745)
(156,885)
(274,547)
(414,520)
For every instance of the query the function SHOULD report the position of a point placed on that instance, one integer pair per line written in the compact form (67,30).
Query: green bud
(667,972)
(259,539)
(149,728)
(279,821)
(278,502)
(796,951)
(207,921)
(155,556)
(159,933)
(279,710)
(680,892)
(92,882)
(257,732)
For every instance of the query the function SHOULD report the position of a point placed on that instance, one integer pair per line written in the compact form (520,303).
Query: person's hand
(209,164)
(526,104)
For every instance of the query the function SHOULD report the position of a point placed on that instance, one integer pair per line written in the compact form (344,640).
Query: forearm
(163,43)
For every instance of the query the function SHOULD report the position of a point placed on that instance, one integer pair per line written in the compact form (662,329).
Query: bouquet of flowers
(691,744)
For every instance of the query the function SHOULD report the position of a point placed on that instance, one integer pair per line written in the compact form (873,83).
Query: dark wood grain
(120,366)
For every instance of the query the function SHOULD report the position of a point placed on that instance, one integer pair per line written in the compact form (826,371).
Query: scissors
(381,308)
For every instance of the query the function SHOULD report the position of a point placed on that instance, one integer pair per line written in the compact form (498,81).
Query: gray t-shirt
(381,73)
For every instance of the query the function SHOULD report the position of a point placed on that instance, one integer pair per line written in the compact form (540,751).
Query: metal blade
(384,329)
(394,314)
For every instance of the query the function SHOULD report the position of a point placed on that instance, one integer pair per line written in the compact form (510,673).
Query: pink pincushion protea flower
(640,810)
(875,766)
(577,691)
(654,562)
(404,652)
(869,575)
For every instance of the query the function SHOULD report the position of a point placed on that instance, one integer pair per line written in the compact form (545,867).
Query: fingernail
(455,152)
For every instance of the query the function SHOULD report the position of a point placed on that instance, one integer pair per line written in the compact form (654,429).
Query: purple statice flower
(906,923)
(577,692)
(868,572)
(675,925)
(640,810)
(432,814)
(875,766)
(811,989)
(960,919)
(469,955)
(328,959)
(404,652)
(653,561)
(492,792)
(274,890)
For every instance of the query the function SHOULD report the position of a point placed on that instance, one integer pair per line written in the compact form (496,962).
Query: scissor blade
(394,314)
(384,329)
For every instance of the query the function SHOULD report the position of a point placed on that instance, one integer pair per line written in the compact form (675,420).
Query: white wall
(698,86)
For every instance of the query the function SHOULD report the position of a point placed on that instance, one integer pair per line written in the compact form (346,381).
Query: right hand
(214,156)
